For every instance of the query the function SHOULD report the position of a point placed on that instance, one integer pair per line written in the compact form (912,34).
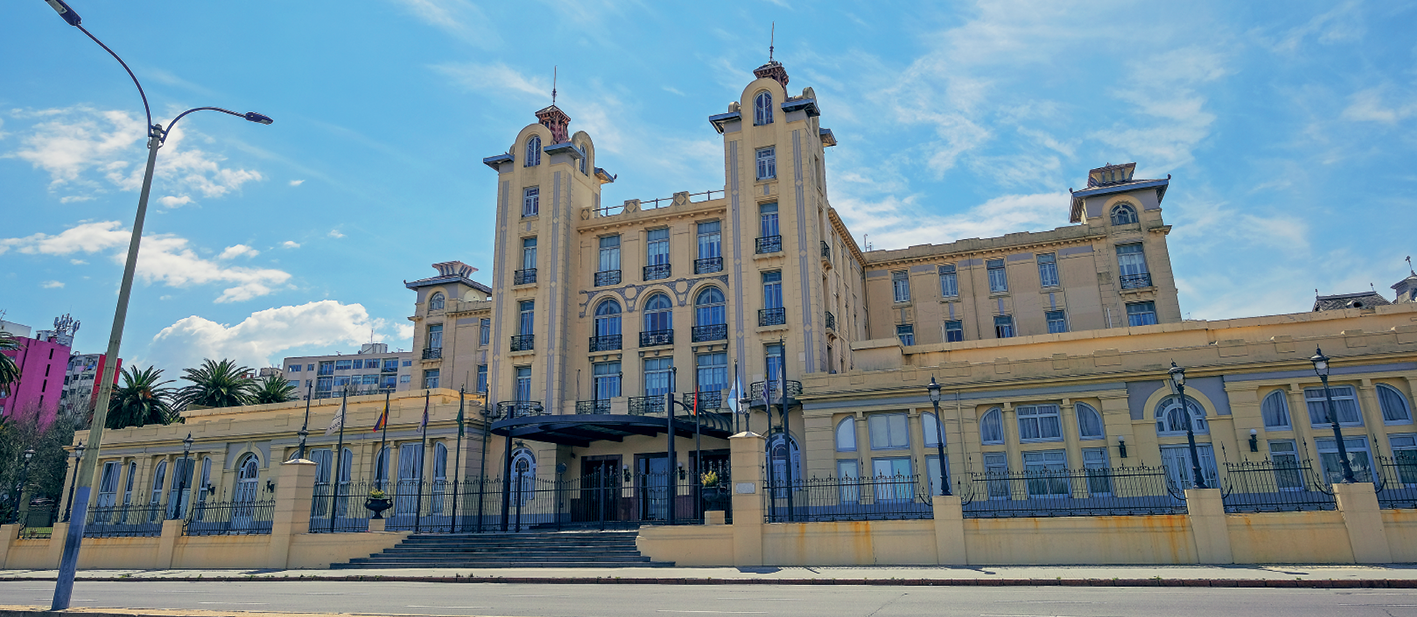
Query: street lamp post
(78,456)
(1178,388)
(20,489)
(1321,367)
(934,389)
(68,563)
(182,474)
(305,427)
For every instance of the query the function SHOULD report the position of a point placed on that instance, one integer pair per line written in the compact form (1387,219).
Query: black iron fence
(769,244)
(607,277)
(1123,491)
(227,518)
(1135,281)
(869,498)
(1275,486)
(712,332)
(708,265)
(125,521)
(657,271)
(1397,482)
(339,509)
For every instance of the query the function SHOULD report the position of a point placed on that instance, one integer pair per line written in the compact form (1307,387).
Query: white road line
(665,610)
(260,603)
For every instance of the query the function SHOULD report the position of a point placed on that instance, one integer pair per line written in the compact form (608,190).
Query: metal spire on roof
(772,37)
(1409,266)
(553,84)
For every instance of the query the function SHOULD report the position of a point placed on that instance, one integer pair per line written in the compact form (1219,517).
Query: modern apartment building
(81,382)
(373,370)
(42,361)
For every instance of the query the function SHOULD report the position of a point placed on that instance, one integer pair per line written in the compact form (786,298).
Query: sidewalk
(1321,576)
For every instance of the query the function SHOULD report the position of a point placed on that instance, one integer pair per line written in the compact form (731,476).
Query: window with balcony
(900,285)
(1141,313)
(607,380)
(527,273)
(1003,326)
(1131,263)
(526,324)
(659,322)
(657,375)
(607,327)
(762,109)
(949,283)
(773,313)
(710,316)
(767,163)
(906,334)
(609,273)
(434,348)
(1047,270)
(998,278)
(954,331)
(710,248)
(657,254)
(775,363)
(712,372)
(1057,321)
(769,236)
(531,201)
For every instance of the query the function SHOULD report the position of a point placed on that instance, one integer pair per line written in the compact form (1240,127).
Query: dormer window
(533,152)
(762,108)
(1124,214)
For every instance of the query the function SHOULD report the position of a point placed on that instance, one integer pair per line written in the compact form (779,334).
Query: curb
(881,582)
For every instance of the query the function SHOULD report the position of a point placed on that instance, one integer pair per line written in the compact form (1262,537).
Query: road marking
(261,603)
(431,606)
(665,610)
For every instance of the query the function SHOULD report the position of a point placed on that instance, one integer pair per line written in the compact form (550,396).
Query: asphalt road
(668,600)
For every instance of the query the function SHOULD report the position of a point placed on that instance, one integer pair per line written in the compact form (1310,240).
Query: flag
(383,418)
(423,425)
(696,403)
(337,423)
(735,393)
(460,408)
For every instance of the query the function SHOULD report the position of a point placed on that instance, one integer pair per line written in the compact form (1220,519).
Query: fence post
(949,530)
(747,458)
(167,544)
(1205,509)
(56,544)
(1358,502)
(8,535)
(295,490)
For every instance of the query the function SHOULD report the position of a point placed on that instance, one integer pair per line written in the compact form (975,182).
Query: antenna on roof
(772,38)
(553,84)
(1409,266)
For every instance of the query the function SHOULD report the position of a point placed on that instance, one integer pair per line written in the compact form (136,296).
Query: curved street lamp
(1320,362)
(934,389)
(1177,377)
(157,135)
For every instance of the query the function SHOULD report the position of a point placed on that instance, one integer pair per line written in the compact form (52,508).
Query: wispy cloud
(52,285)
(335,233)
(238,250)
(297,182)
(461,19)
(496,76)
(1374,105)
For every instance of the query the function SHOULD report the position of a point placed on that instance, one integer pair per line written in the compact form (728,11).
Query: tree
(142,399)
(272,389)
(47,470)
(217,384)
(9,373)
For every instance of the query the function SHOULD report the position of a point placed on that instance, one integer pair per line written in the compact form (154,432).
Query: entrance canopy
(583,429)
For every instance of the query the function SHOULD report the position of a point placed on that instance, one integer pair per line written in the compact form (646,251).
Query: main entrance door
(653,487)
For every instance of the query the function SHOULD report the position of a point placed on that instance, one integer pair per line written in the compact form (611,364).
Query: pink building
(42,364)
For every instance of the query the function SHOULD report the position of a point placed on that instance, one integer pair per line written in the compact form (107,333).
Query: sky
(1288,128)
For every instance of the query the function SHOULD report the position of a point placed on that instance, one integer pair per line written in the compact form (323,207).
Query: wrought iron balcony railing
(520,409)
(654,338)
(389,369)
(831,321)
(523,342)
(826,251)
(657,271)
(769,244)
(708,399)
(1136,281)
(715,332)
(607,277)
(755,390)
(598,407)
(432,353)
(646,405)
(608,342)
(772,316)
(524,277)
(708,264)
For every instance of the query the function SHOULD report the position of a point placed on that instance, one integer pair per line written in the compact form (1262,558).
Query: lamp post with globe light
(1178,387)
(1320,362)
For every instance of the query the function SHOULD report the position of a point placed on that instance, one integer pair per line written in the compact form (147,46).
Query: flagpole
(339,455)
(422,448)
(379,479)
(786,433)
(457,460)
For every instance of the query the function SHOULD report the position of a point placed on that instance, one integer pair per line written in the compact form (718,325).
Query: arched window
(524,470)
(991,427)
(1123,214)
(1169,420)
(533,151)
(381,467)
(930,429)
(247,473)
(710,308)
(435,303)
(782,451)
(846,435)
(659,314)
(1275,411)
(128,486)
(762,108)
(607,318)
(159,478)
(1394,405)
(206,479)
(1089,422)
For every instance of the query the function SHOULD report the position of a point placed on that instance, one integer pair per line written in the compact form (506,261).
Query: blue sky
(1288,129)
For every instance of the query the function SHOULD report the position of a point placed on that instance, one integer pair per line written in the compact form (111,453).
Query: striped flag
(383,417)
(337,423)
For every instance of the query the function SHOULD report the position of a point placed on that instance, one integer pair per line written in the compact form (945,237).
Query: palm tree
(9,373)
(217,384)
(272,389)
(141,400)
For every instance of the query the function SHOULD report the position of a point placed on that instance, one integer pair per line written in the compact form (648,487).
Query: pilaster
(1206,514)
(294,493)
(949,531)
(747,460)
(1358,503)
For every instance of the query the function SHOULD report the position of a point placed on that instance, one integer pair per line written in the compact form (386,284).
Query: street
(589,600)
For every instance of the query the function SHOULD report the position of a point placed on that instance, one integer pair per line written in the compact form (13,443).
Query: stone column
(167,544)
(949,531)
(56,544)
(1205,511)
(1358,503)
(294,492)
(8,535)
(747,460)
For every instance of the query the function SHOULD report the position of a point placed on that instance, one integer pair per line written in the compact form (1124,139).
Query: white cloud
(88,151)
(459,18)
(52,285)
(496,76)
(1369,106)
(238,250)
(164,258)
(335,233)
(297,182)
(290,244)
(404,331)
(258,339)
(897,223)
(1164,87)
(78,262)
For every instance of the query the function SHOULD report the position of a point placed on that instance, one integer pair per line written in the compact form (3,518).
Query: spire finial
(1409,266)
(553,84)
(772,38)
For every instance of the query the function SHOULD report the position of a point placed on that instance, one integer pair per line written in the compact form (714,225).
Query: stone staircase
(566,549)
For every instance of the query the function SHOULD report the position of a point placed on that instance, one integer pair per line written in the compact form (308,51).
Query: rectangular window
(1047,270)
(435,336)
(1358,459)
(391,365)
(954,331)
(657,247)
(430,378)
(767,220)
(609,253)
(607,380)
(523,374)
(294,369)
(358,363)
(388,382)
(996,468)
(949,282)
(528,317)
(484,330)
(309,367)
(767,163)
(1130,259)
(1039,423)
(657,373)
(713,372)
(772,289)
(897,475)
(1287,475)
(774,363)
(1141,313)
(408,362)
(900,285)
(710,240)
(405,378)
(1004,326)
(1094,464)
(482,378)
(343,365)
(848,468)
(888,431)
(1046,469)
(998,279)
(528,253)
(1057,321)
(1345,406)
(531,201)
(1404,450)
(906,334)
